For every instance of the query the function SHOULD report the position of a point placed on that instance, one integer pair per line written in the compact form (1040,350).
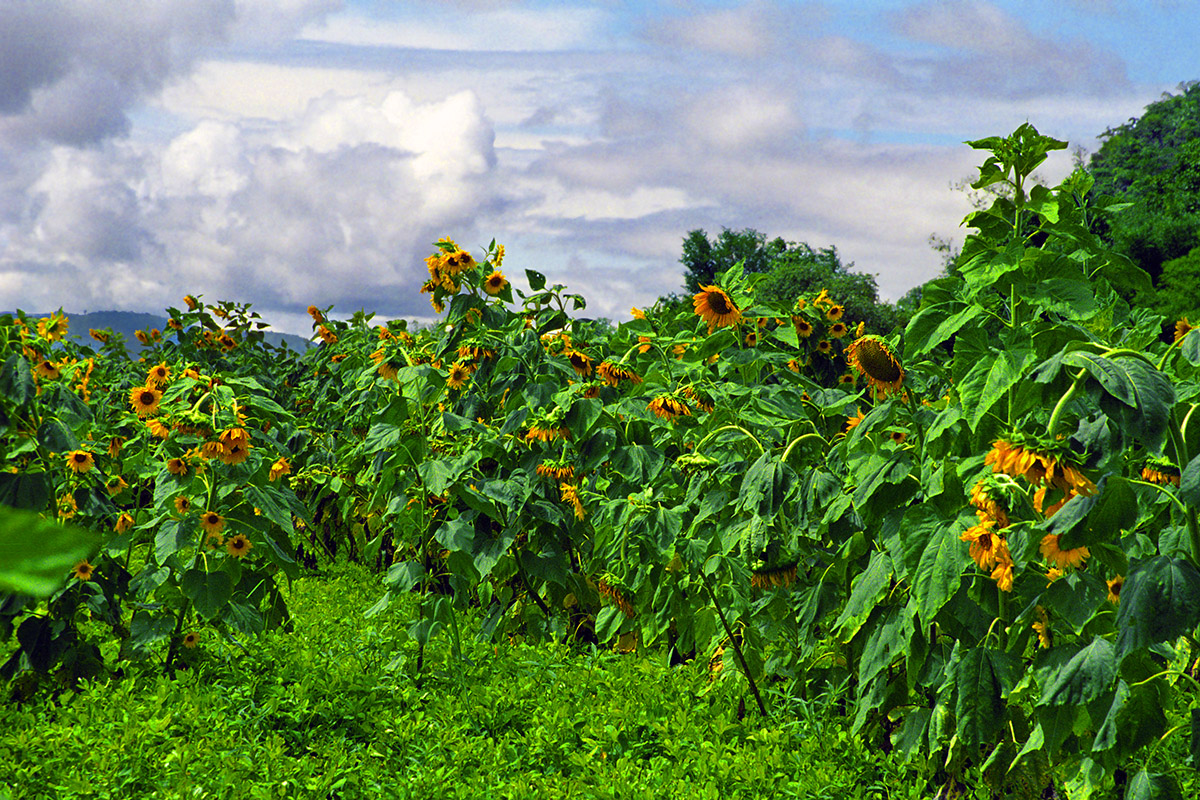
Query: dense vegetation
(978,536)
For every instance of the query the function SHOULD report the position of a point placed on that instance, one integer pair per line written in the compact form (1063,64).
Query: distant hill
(127,322)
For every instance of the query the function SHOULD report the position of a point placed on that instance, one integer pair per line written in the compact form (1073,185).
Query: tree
(703,260)
(789,269)
(1154,163)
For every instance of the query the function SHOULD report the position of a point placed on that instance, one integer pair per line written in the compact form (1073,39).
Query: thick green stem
(730,428)
(1080,377)
(736,648)
(1182,457)
(804,438)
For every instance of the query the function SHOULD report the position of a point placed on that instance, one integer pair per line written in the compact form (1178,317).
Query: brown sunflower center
(719,303)
(878,362)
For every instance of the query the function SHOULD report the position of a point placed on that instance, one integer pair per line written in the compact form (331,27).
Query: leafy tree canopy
(789,269)
(1154,163)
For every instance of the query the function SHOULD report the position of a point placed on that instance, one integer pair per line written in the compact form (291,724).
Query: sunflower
(177,466)
(838,329)
(459,374)
(124,523)
(191,301)
(53,327)
(824,346)
(1052,551)
(99,336)
(988,498)
(182,504)
(1183,328)
(80,461)
(495,283)
(83,570)
(144,400)
(1039,465)
(316,314)
(701,398)
(1003,573)
(713,306)
(115,485)
(1042,626)
(191,639)
(637,313)
(1162,472)
(556,470)
(237,546)
(751,339)
(234,454)
(793,365)
(174,324)
(327,336)
(853,422)
(212,522)
(876,362)
(142,337)
(899,436)
(279,469)
(669,407)
(610,587)
(614,374)
(1114,589)
(157,429)
(984,543)
(545,432)
(67,507)
(644,344)
(580,362)
(570,494)
(780,575)
(47,369)
(847,379)
(834,313)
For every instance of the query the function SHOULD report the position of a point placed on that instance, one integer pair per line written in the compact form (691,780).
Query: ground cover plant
(978,533)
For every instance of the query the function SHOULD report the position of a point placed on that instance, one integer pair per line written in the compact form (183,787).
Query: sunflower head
(874,360)
(83,570)
(80,461)
(1182,328)
(495,283)
(212,522)
(715,307)
(459,374)
(238,546)
(191,639)
(144,400)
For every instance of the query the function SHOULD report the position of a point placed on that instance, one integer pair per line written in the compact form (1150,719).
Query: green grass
(332,710)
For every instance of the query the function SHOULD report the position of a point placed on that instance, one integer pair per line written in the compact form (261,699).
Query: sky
(292,152)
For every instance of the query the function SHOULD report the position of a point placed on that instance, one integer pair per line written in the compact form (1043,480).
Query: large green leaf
(868,588)
(1087,521)
(36,555)
(938,571)
(16,380)
(1153,786)
(1160,600)
(1134,385)
(935,324)
(208,591)
(1088,674)
(766,485)
(25,490)
(988,381)
(983,678)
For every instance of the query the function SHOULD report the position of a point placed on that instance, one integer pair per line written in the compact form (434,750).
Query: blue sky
(309,151)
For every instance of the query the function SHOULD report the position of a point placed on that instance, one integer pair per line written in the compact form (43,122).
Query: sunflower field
(984,525)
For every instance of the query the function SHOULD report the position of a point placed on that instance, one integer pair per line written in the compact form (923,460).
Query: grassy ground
(331,711)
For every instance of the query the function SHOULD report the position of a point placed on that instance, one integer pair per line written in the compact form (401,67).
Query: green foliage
(1153,164)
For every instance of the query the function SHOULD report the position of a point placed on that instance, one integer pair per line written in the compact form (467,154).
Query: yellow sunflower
(876,362)
(834,313)
(123,523)
(177,467)
(191,639)
(279,469)
(158,375)
(316,314)
(495,283)
(83,570)
(99,336)
(115,485)
(80,461)
(459,374)
(144,400)
(614,374)
(182,504)
(1042,626)
(238,546)
(47,369)
(570,494)
(669,407)
(824,346)
(53,327)
(1182,328)
(212,522)
(715,307)
(1052,551)
(838,329)
(1114,589)
(804,328)
(580,362)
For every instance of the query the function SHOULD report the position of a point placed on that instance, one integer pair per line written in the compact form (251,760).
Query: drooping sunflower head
(715,307)
(1052,551)
(495,283)
(45,368)
(124,522)
(874,360)
(1183,328)
(316,314)
(53,327)
(192,302)
(279,469)
(580,362)
(144,400)
(669,407)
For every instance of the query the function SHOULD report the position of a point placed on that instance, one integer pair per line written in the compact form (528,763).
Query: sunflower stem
(805,437)
(762,708)
(1182,458)
(1076,382)
(730,428)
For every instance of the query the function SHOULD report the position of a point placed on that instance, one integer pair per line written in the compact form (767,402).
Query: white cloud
(505,29)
